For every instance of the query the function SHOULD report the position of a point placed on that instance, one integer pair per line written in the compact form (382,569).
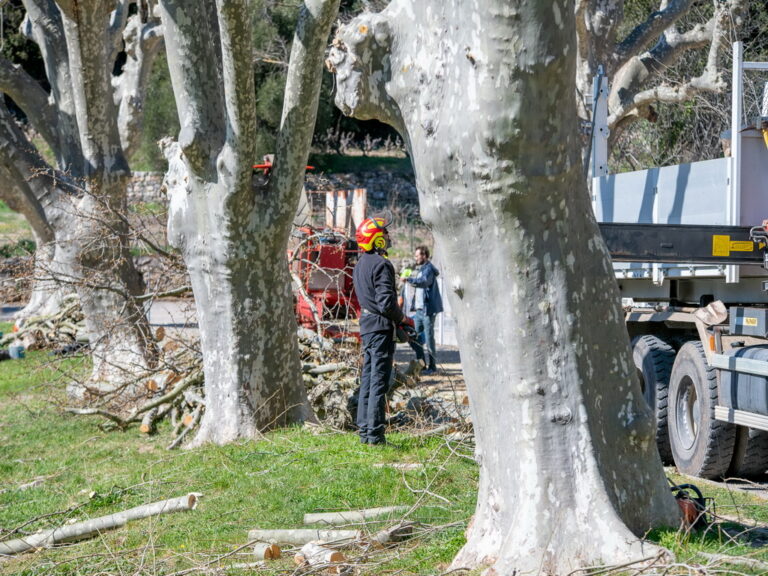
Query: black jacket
(374,278)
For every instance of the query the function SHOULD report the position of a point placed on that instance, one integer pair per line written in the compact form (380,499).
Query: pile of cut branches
(65,328)
(331,373)
(173,390)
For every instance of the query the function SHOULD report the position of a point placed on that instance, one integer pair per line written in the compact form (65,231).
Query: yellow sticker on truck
(722,245)
(747,321)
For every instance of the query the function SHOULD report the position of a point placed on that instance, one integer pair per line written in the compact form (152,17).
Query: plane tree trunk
(482,93)
(27,189)
(232,224)
(83,198)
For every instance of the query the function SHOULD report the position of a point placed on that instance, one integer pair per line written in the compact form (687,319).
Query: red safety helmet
(370,234)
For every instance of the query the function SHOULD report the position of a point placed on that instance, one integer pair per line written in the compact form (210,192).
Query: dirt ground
(449,377)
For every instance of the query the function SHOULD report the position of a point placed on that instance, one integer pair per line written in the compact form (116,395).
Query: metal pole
(733,210)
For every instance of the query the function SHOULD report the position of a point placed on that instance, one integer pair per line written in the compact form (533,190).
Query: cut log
(302,536)
(319,556)
(148,422)
(266,551)
(393,534)
(352,516)
(324,369)
(81,530)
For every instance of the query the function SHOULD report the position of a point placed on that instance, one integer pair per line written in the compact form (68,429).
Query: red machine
(323,262)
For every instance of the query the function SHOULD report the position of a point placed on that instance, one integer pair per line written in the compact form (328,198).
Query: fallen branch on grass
(394,534)
(81,530)
(195,378)
(736,560)
(302,536)
(352,516)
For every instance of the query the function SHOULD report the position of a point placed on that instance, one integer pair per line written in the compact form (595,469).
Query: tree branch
(629,101)
(143,42)
(43,24)
(645,33)
(85,24)
(23,172)
(301,100)
(239,88)
(117,21)
(27,93)
(194,59)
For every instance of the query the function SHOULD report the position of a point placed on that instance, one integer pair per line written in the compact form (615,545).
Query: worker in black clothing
(374,279)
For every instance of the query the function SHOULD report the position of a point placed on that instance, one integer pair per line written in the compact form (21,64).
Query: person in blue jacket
(375,288)
(425,304)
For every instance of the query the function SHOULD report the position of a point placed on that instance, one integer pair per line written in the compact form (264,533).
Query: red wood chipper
(321,266)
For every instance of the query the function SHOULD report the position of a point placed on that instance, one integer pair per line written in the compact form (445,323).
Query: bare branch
(27,185)
(646,32)
(629,100)
(143,42)
(301,100)
(30,97)
(84,23)
(239,88)
(117,21)
(192,44)
(43,24)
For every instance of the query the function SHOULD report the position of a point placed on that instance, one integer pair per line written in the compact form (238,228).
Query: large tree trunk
(483,94)
(232,225)
(89,118)
(244,307)
(26,186)
(108,283)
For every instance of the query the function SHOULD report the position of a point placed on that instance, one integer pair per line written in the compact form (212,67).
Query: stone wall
(384,188)
(145,187)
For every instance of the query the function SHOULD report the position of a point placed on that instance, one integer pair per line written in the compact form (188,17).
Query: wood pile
(330,370)
(174,391)
(65,328)
(319,549)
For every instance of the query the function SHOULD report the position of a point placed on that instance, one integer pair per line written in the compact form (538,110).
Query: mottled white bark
(482,94)
(636,64)
(26,186)
(82,198)
(142,40)
(232,225)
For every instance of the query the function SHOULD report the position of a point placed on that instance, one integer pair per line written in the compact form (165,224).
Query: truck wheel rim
(688,413)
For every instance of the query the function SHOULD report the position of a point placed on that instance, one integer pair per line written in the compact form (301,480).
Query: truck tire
(654,359)
(701,445)
(750,456)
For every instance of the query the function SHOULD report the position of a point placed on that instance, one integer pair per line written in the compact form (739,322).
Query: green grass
(13,226)
(88,472)
(148,208)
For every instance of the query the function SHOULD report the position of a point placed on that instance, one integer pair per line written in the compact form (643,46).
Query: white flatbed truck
(690,251)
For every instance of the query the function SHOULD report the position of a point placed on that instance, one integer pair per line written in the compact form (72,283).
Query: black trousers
(378,354)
